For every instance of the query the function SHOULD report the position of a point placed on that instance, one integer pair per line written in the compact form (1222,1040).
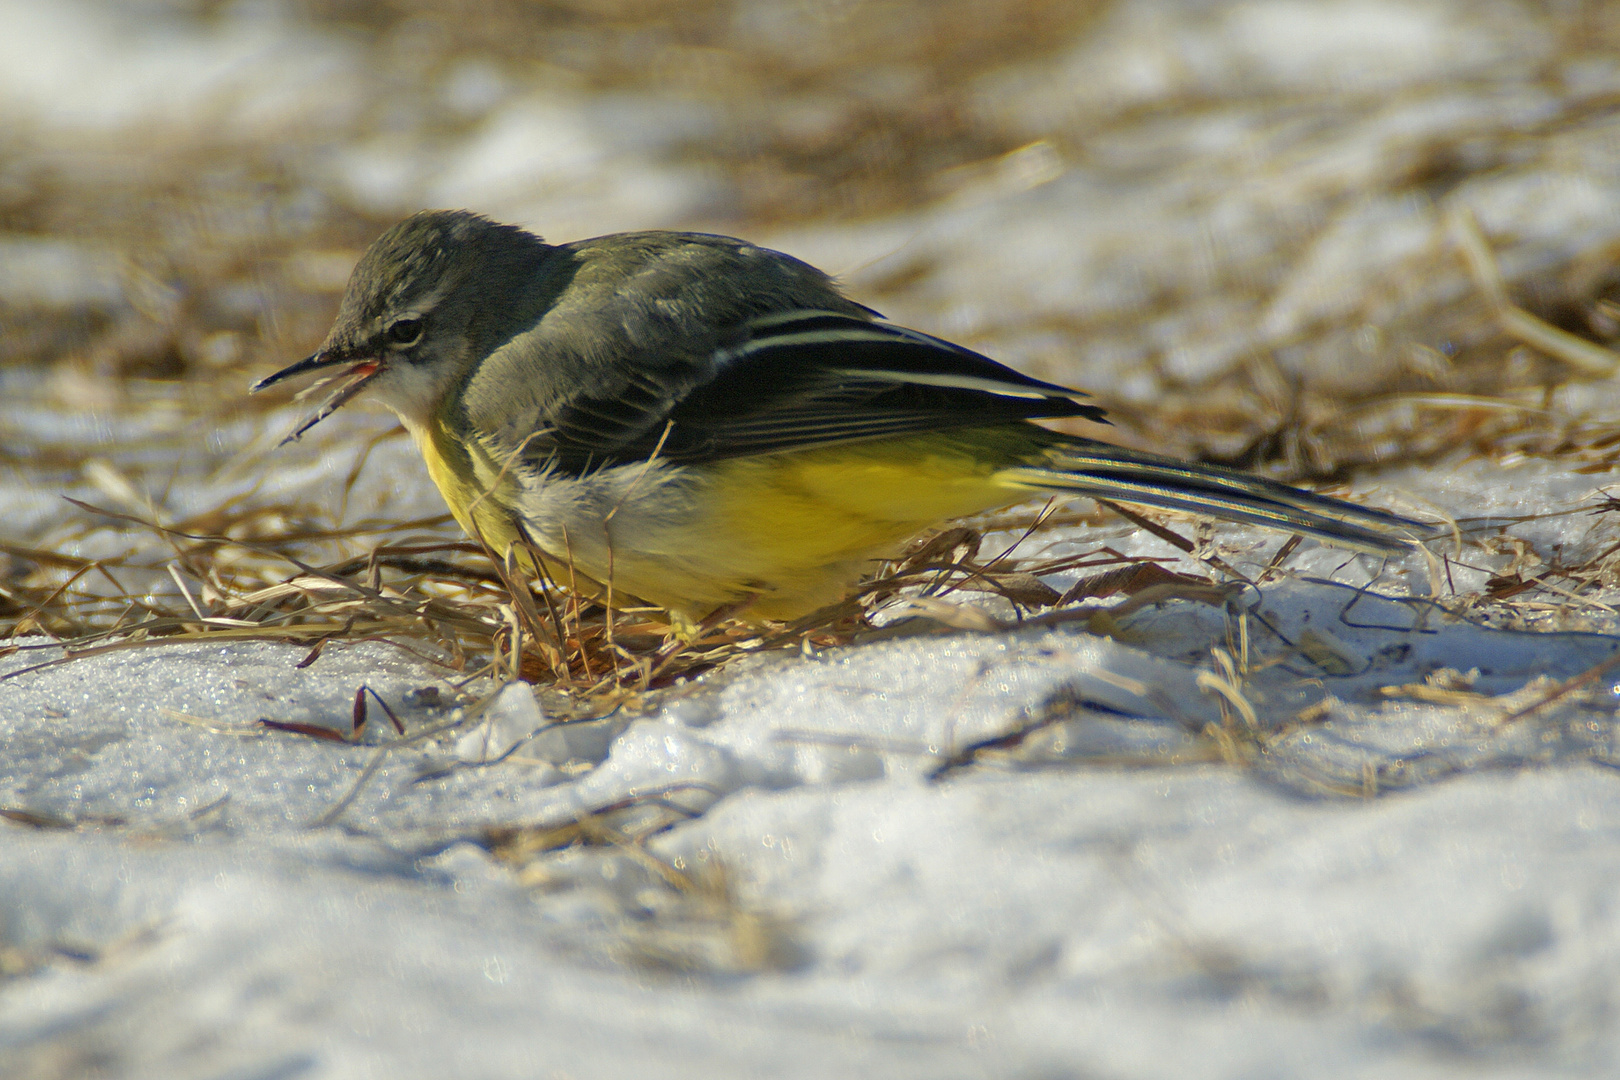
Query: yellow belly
(799,528)
(792,531)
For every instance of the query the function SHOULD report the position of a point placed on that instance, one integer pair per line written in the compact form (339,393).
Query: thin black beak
(315,362)
(349,383)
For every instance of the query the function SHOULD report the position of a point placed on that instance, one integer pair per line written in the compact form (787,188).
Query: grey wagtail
(696,422)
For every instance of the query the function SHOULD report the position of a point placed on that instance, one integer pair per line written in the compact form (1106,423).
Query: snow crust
(1037,908)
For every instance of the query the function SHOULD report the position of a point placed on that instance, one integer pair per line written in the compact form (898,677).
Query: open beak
(349,383)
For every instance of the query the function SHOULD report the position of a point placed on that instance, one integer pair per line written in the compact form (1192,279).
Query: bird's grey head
(417,307)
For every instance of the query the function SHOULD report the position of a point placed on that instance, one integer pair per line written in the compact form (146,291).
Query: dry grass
(251,570)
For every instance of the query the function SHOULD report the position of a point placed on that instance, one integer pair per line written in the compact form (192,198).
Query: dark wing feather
(801,379)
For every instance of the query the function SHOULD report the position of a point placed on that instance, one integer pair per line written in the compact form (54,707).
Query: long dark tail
(1103,471)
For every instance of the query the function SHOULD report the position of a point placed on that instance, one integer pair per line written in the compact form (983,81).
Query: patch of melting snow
(911,920)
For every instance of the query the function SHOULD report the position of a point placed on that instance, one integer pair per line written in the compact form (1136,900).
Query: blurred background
(1243,225)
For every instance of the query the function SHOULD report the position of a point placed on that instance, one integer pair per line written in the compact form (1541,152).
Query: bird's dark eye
(406,331)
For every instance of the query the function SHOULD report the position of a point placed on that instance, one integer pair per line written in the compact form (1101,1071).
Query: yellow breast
(792,530)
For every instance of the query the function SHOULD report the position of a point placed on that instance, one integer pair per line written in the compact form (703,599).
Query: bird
(700,424)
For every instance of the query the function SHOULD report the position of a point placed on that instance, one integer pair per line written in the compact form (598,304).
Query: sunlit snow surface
(231,901)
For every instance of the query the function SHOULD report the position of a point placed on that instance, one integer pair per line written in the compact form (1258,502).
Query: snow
(202,908)
(1192,923)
